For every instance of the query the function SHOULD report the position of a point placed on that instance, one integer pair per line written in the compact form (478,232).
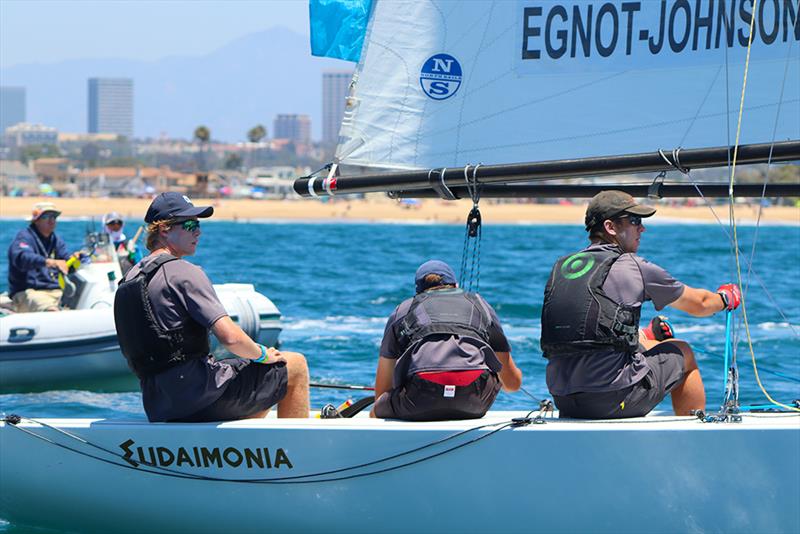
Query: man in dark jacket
(444,354)
(35,258)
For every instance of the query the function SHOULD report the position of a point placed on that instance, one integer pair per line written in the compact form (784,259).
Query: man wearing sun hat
(443,355)
(35,258)
(164,310)
(600,365)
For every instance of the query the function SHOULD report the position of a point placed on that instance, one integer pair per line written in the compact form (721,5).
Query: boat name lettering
(585,30)
(251,458)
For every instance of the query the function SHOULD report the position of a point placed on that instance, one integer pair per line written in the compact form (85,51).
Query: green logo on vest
(577,265)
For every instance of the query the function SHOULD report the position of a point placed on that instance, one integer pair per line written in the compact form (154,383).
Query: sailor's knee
(296,366)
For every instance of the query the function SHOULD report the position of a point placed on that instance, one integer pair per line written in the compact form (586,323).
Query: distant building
(297,128)
(17,179)
(273,182)
(12,106)
(24,134)
(111,106)
(335,89)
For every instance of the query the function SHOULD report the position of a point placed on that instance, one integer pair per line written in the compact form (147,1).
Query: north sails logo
(440,76)
(262,457)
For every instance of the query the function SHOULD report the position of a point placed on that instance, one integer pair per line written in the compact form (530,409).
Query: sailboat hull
(654,474)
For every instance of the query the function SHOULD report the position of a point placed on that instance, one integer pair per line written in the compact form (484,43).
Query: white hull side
(650,475)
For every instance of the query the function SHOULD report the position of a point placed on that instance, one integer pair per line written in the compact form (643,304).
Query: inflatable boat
(77,348)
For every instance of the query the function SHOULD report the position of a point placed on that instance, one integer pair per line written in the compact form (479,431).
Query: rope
(733,220)
(13,421)
(472,254)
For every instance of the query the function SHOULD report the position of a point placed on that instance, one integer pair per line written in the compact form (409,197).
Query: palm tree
(202,134)
(257,133)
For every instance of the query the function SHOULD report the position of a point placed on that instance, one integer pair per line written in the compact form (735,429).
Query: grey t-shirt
(444,352)
(177,291)
(632,280)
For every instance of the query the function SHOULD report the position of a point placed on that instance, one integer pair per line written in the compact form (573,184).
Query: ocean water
(336,284)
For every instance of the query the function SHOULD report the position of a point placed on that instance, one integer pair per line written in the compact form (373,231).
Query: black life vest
(577,316)
(149,348)
(440,313)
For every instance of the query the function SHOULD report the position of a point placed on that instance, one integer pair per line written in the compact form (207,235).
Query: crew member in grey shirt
(600,365)
(164,310)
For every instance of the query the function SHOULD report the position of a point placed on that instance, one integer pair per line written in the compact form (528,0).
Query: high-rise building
(12,106)
(111,106)
(335,88)
(292,126)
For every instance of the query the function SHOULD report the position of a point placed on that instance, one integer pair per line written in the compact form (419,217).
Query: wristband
(724,298)
(263,357)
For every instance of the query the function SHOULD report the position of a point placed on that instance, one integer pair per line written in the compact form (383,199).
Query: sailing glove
(659,329)
(730,295)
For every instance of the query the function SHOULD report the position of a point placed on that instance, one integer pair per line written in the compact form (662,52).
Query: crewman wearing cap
(601,366)
(127,251)
(443,355)
(35,258)
(165,308)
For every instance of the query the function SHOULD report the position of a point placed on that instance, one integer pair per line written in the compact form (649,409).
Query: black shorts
(666,372)
(422,400)
(255,388)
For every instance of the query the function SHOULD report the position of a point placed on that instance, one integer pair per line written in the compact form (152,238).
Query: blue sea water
(336,284)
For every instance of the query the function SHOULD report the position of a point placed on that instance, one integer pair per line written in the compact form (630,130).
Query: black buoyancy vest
(149,348)
(443,312)
(577,316)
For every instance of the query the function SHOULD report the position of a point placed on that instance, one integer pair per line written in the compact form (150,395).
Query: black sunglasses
(109,223)
(635,220)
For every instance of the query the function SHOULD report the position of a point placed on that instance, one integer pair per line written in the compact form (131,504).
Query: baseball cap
(608,204)
(40,208)
(171,204)
(433,267)
(112,216)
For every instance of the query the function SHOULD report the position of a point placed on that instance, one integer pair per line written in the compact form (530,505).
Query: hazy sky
(44,31)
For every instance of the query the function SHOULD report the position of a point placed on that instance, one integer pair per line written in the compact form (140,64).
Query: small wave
(337,324)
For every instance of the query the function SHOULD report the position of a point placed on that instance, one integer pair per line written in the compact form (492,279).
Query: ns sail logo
(440,76)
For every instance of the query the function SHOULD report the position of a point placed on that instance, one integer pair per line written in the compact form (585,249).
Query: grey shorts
(256,388)
(666,372)
(421,400)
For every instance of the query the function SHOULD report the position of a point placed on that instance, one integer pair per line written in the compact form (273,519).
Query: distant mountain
(244,83)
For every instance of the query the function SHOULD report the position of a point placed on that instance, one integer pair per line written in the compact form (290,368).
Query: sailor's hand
(53,263)
(274,356)
(731,296)
(659,329)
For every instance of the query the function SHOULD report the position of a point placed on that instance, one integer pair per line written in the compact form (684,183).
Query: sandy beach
(388,210)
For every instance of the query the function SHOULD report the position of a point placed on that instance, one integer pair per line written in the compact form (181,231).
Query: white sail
(445,83)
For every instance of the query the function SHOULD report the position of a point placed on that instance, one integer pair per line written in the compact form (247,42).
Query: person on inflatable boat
(35,258)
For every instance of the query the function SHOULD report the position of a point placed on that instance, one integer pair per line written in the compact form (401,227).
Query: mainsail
(443,83)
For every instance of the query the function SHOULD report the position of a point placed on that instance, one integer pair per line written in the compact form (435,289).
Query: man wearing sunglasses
(127,251)
(35,258)
(164,310)
(600,367)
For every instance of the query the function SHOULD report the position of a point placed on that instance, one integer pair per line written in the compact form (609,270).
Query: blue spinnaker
(338,27)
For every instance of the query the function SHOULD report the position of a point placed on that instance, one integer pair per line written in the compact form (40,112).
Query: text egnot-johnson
(587,30)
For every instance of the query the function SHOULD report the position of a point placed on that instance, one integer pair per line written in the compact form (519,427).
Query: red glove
(731,296)
(659,329)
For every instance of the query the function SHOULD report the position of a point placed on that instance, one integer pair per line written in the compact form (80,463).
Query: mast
(451,179)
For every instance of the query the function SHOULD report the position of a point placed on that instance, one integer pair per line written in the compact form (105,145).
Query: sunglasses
(48,216)
(635,220)
(191,225)
(115,223)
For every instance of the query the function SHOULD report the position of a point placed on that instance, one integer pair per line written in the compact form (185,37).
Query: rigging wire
(733,219)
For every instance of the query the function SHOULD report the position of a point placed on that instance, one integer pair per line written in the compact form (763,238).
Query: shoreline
(388,211)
